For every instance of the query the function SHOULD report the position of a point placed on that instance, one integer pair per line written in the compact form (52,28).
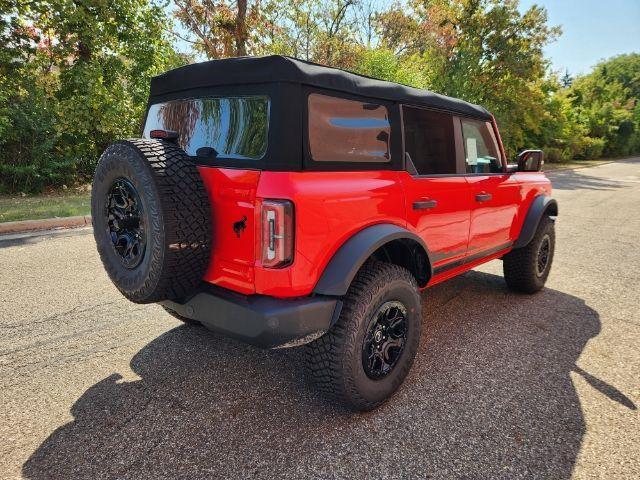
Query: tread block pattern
(180,217)
(519,265)
(187,218)
(329,358)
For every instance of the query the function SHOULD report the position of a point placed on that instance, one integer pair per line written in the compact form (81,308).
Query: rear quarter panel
(330,207)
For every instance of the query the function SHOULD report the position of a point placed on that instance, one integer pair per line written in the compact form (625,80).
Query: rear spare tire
(151,220)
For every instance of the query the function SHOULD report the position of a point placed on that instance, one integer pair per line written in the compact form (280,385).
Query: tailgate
(232,195)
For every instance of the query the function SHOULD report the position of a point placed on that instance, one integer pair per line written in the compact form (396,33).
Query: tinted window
(235,127)
(480,146)
(343,130)
(429,141)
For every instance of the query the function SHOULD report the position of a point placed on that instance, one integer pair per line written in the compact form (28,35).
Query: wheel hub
(385,340)
(124,215)
(544,252)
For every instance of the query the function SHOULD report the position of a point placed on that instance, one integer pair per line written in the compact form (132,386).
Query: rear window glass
(343,130)
(229,127)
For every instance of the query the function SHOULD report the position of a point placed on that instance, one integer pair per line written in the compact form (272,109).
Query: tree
(80,81)
(219,29)
(484,51)
(311,30)
(566,79)
(606,103)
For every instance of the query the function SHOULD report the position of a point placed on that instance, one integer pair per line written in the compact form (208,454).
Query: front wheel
(367,354)
(526,269)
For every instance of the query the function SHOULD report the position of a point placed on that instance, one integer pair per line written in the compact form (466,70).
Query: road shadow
(490,396)
(580,180)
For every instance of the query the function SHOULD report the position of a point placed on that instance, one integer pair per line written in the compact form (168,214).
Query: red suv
(286,203)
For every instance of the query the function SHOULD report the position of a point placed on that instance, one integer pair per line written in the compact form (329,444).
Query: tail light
(164,134)
(277,233)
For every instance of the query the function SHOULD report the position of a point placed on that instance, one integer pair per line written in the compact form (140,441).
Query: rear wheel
(368,353)
(526,269)
(151,220)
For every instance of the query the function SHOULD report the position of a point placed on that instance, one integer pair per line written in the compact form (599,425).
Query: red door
(438,199)
(495,194)
(439,209)
(496,199)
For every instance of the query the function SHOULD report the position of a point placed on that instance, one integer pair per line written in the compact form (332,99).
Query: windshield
(228,127)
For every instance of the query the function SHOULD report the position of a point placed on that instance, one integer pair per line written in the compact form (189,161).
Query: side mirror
(530,161)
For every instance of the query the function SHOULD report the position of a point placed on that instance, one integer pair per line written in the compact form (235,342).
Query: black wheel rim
(125,222)
(385,340)
(544,252)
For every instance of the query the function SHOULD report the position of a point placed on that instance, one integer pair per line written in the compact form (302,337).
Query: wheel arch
(542,205)
(385,242)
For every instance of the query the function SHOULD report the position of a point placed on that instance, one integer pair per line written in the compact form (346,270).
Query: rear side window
(229,127)
(481,149)
(429,141)
(342,130)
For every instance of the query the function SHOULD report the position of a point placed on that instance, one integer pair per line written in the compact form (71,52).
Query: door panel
(495,205)
(439,210)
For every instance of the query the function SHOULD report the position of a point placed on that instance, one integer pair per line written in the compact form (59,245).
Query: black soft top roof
(276,68)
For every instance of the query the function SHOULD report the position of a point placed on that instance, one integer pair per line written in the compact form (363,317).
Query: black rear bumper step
(263,321)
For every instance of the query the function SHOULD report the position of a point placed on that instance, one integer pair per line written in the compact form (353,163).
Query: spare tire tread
(181,255)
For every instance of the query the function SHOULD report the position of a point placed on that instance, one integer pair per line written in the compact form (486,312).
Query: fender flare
(345,263)
(539,207)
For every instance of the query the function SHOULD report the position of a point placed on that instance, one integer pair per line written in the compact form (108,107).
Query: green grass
(32,207)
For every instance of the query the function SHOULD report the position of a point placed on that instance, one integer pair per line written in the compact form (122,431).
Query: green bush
(62,103)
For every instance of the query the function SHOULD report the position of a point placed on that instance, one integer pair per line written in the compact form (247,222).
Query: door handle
(483,197)
(424,204)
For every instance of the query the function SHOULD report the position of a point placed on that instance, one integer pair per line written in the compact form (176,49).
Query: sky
(592,30)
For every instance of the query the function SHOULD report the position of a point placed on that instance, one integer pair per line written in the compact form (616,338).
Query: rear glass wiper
(207,152)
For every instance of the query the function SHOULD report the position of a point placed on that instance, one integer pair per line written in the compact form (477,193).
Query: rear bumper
(266,322)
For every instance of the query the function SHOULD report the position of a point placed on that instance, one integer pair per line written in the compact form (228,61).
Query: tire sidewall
(376,391)
(545,230)
(122,160)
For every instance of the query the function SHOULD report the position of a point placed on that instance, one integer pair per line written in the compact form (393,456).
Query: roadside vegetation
(46,205)
(74,76)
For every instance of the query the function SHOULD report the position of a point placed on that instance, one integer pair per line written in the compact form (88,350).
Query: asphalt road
(504,385)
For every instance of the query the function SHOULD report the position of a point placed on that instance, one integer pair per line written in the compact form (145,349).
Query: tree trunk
(241,29)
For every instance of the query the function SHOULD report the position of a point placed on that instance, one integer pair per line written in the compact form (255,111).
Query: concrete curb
(45,224)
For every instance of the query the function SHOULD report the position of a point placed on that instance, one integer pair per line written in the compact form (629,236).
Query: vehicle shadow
(580,180)
(490,395)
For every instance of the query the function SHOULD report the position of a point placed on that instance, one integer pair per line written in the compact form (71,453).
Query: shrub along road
(504,385)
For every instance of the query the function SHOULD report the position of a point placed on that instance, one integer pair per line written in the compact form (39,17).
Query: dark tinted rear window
(429,140)
(236,127)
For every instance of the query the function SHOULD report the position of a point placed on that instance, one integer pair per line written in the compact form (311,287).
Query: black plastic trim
(346,262)
(263,321)
(470,258)
(540,205)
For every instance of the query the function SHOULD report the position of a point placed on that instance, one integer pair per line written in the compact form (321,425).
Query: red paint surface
(330,207)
